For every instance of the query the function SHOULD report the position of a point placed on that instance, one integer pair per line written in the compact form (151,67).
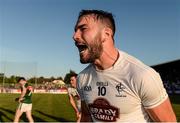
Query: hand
(20,100)
(17,99)
(78,114)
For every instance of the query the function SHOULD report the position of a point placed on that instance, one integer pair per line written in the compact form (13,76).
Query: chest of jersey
(110,97)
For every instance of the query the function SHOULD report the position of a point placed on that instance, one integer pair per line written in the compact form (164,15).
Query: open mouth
(81,47)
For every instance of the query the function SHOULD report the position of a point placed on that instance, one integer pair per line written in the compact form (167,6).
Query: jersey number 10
(101,91)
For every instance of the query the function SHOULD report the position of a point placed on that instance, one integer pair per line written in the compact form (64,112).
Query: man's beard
(94,52)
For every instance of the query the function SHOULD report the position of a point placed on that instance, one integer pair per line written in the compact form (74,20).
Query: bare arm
(73,103)
(163,112)
(22,93)
(86,116)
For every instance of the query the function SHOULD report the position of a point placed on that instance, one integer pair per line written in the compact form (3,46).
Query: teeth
(82,51)
(81,47)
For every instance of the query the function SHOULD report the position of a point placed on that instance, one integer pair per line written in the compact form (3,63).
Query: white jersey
(123,92)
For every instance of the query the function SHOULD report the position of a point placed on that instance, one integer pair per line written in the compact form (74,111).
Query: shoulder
(69,89)
(87,69)
(138,71)
(136,66)
(143,74)
(85,75)
(29,87)
(84,72)
(151,76)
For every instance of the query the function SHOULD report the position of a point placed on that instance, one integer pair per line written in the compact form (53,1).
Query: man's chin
(85,58)
(84,61)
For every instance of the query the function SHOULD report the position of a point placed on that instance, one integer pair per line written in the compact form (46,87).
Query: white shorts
(24,107)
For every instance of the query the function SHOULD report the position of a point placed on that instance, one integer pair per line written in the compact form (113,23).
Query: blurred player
(115,86)
(74,96)
(25,102)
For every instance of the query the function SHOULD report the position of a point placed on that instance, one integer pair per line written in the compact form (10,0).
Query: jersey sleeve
(69,90)
(152,91)
(30,88)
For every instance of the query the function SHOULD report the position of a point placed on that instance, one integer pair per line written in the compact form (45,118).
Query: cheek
(89,36)
(87,39)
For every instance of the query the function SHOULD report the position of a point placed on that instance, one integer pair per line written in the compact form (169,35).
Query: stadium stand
(170,74)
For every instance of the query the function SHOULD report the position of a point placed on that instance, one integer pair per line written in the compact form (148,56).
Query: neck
(107,60)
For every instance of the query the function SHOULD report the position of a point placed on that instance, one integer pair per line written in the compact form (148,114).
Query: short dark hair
(73,75)
(21,78)
(104,16)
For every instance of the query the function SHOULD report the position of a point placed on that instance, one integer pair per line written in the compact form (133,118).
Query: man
(25,102)
(115,86)
(74,96)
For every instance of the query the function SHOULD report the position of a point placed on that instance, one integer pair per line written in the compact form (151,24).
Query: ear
(107,32)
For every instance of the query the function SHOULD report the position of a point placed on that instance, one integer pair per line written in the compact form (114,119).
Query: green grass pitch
(46,108)
(52,108)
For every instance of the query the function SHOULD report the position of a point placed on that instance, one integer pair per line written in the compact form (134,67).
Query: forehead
(21,80)
(73,77)
(86,19)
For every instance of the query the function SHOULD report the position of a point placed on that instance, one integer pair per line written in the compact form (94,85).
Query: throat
(107,62)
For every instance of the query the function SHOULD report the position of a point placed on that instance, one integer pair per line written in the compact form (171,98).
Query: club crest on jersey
(103,111)
(120,88)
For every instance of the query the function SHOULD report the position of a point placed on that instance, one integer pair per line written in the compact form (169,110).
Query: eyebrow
(79,27)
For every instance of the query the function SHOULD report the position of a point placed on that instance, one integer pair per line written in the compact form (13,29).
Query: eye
(83,28)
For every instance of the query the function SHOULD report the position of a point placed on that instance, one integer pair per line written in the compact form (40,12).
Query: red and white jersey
(123,92)
(73,91)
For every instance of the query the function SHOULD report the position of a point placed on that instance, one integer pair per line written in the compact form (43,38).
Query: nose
(76,36)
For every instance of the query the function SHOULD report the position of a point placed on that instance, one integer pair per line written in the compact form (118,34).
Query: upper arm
(70,97)
(152,91)
(23,92)
(154,97)
(162,112)
(24,89)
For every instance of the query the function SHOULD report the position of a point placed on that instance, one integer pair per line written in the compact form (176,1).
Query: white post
(4,77)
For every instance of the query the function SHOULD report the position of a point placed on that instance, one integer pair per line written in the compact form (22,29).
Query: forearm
(162,113)
(156,118)
(72,101)
(74,105)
